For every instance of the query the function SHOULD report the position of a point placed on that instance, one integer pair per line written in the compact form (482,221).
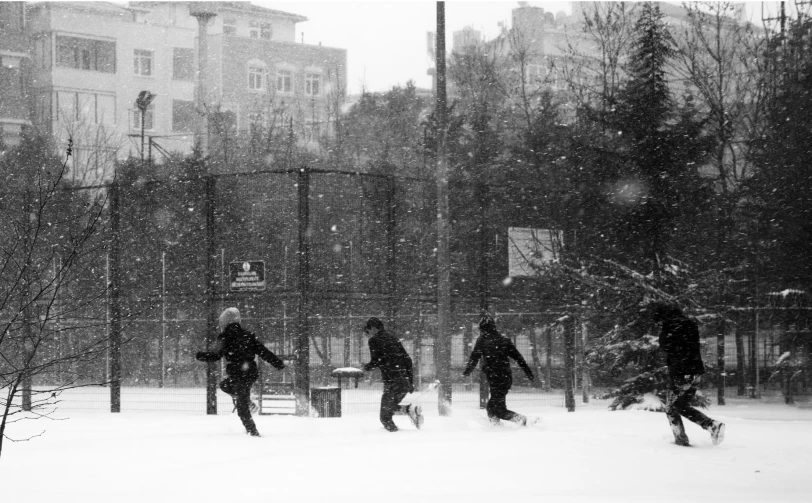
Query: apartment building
(91,60)
(14,61)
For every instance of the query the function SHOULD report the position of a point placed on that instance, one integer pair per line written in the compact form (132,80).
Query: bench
(277,398)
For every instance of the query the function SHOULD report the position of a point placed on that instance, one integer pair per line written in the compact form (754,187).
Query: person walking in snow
(387,353)
(496,352)
(679,339)
(239,347)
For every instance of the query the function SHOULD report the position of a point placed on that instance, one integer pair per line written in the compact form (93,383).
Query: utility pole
(443,335)
(204,11)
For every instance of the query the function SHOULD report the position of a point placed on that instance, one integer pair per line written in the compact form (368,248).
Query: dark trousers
(393,392)
(240,391)
(497,403)
(681,393)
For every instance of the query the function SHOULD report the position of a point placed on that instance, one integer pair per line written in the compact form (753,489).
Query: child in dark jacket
(239,347)
(387,353)
(496,352)
(679,339)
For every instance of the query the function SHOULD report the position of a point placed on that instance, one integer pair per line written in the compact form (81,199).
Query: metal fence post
(115,301)
(211,296)
(720,364)
(302,351)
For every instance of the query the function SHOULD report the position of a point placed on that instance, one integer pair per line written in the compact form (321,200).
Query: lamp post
(142,103)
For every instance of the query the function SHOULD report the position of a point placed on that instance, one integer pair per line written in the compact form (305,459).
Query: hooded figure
(387,353)
(679,339)
(496,352)
(239,347)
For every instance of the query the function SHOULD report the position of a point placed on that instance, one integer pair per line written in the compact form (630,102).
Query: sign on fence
(529,249)
(246,275)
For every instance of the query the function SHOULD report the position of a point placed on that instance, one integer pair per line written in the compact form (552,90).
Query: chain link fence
(371,244)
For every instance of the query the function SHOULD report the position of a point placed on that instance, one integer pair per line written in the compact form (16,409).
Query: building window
(11,81)
(42,52)
(86,54)
(253,29)
(149,118)
(87,108)
(256,78)
(534,73)
(258,119)
(66,106)
(183,63)
(265,31)
(312,81)
(284,81)
(142,62)
(184,116)
(311,130)
(105,109)
(229,25)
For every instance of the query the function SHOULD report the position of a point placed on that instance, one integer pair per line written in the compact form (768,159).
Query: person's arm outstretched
(476,354)
(514,353)
(267,355)
(211,356)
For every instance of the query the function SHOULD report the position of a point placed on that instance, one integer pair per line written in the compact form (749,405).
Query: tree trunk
(569,364)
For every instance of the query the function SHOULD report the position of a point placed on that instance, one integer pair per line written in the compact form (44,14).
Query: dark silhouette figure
(239,347)
(387,353)
(679,339)
(496,352)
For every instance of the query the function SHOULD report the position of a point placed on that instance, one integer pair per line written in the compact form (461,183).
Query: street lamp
(142,103)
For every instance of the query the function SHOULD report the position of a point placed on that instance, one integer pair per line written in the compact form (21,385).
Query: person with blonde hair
(239,347)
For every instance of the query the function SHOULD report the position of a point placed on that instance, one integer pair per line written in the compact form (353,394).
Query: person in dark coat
(239,347)
(387,353)
(496,352)
(679,339)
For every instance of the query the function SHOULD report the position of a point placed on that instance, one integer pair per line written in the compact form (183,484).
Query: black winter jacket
(387,353)
(679,339)
(495,351)
(239,347)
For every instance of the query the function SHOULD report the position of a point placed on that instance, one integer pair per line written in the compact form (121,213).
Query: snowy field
(585,456)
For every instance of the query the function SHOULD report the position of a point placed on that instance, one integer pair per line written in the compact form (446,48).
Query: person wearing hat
(387,353)
(679,340)
(239,347)
(496,352)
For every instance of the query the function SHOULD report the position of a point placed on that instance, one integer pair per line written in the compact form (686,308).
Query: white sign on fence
(246,275)
(530,248)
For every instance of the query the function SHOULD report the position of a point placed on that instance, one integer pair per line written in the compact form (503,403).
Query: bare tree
(595,57)
(95,147)
(48,236)
(715,56)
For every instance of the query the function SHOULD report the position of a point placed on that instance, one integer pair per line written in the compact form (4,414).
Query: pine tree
(781,188)
(661,143)
(658,197)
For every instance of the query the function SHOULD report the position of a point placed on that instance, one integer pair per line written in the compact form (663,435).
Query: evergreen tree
(781,188)
(662,147)
(657,196)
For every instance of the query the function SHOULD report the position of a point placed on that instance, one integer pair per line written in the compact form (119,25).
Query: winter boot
(390,426)
(717,431)
(415,413)
(680,438)
(519,419)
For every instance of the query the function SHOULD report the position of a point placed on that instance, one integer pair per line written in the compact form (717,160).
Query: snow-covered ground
(588,455)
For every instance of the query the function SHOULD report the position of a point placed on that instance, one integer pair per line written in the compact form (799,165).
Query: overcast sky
(386,41)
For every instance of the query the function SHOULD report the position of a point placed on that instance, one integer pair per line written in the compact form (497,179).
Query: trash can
(326,402)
